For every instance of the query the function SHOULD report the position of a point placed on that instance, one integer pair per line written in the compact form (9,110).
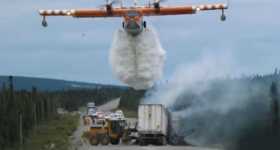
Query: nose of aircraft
(133,27)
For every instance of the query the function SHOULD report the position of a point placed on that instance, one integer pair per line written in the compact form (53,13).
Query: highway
(79,144)
(120,147)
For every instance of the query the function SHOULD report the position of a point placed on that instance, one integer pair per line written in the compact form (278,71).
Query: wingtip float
(133,21)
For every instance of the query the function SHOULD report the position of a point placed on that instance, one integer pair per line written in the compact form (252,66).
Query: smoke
(209,108)
(194,77)
(137,60)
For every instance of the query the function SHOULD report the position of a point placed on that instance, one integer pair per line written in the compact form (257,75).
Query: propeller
(159,1)
(111,3)
(156,3)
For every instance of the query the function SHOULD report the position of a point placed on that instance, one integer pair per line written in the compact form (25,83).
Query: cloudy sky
(77,49)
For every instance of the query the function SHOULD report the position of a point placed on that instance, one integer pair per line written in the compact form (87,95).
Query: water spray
(137,60)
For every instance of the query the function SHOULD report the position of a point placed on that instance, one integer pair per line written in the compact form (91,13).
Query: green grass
(53,134)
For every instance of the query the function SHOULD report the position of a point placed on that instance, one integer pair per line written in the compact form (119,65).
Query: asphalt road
(120,147)
(79,144)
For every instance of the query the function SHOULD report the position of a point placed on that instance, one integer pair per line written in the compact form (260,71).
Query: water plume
(137,60)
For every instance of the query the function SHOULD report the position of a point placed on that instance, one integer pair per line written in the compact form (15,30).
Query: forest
(22,110)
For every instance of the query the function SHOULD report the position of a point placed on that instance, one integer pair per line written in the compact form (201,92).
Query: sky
(78,49)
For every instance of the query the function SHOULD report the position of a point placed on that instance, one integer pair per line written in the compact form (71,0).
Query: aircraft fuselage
(133,23)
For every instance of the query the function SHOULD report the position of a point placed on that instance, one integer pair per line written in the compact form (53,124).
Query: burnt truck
(152,124)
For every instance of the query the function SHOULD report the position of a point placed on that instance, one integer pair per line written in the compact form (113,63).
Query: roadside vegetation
(21,112)
(26,112)
(53,135)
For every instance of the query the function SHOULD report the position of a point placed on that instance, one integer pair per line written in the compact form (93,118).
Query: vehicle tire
(163,141)
(105,140)
(126,140)
(115,141)
(142,142)
(94,141)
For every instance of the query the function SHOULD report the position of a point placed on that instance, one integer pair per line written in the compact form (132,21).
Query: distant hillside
(44,84)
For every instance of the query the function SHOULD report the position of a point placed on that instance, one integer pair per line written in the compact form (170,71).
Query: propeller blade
(115,2)
(159,1)
(110,3)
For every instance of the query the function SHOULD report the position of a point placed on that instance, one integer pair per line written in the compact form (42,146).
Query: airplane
(133,22)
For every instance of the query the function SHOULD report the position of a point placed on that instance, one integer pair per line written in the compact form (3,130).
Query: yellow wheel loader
(105,131)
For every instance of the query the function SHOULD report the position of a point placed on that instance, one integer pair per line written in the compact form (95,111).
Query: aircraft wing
(143,11)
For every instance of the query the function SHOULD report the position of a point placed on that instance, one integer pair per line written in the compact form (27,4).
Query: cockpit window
(132,14)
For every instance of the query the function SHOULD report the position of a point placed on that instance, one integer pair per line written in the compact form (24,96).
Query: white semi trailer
(152,124)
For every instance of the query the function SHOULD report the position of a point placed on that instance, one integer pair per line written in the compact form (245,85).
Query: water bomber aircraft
(133,22)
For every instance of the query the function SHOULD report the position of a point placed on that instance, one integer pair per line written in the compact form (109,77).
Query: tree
(274,107)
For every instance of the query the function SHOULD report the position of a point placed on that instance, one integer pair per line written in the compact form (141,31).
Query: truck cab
(91,109)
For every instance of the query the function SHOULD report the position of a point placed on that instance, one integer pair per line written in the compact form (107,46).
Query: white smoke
(137,60)
(193,76)
(208,108)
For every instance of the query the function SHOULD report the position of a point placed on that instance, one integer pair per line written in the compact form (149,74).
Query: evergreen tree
(275,107)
